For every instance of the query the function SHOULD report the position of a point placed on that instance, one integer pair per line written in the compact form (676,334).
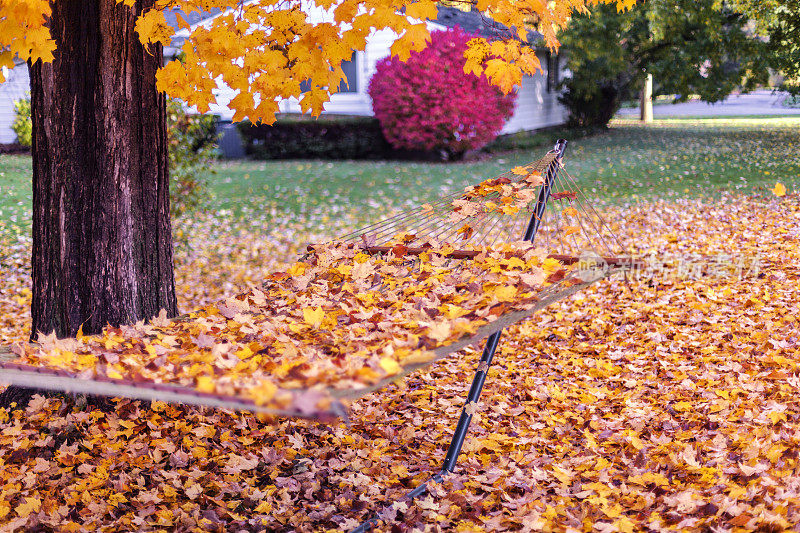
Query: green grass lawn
(15,191)
(670,158)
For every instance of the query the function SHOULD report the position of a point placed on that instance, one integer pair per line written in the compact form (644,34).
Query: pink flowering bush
(429,103)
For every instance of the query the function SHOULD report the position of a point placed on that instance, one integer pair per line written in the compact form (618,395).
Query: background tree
(691,47)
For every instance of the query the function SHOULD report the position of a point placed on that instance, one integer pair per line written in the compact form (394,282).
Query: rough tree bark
(102,242)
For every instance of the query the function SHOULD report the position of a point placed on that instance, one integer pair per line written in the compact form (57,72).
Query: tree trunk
(646,100)
(102,238)
(102,242)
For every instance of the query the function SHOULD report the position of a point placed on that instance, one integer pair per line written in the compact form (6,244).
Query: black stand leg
(491,342)
(461,428)
(474,395)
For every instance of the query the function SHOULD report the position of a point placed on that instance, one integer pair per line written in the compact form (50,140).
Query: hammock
(358,313)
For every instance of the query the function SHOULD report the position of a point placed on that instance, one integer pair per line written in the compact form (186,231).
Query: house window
(553,72)
(350,69)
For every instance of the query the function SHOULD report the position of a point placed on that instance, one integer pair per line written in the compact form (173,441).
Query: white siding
(16,86)
(536,107)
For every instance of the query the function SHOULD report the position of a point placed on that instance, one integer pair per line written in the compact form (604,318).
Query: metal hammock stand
(551,177)
(438,222)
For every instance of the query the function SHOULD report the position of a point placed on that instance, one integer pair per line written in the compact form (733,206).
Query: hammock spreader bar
(60,380)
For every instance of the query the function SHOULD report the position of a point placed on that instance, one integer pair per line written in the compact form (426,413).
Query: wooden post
(646,103)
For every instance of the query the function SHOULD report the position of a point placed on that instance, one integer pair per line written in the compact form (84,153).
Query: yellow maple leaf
(205,384)
(776,417)
(415,38)
(452,311)
(779,190)
(522,171)
(625,525)
(313,101)
(682,406)
(515,262)
(477,50)
(505,293)
(263,507)
(297,269)
(422,10)
(624,5)
(390,366)
(503,74)
(529,62)
(30,505)
(551,265)
(562,475)
(313,316)
(152,27)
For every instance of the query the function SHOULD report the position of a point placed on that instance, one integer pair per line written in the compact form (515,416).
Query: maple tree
(102,251)
(102,243)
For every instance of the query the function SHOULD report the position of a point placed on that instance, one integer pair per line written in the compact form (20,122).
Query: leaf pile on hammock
(500,194)
(334,325)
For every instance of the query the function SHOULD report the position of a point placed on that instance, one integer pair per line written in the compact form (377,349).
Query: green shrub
(192,141)
(327,137)
(592,104)
(22,124)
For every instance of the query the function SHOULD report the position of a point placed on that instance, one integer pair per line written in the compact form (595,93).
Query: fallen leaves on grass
(667,406)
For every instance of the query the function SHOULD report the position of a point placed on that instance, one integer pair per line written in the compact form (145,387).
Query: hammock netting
(354,314)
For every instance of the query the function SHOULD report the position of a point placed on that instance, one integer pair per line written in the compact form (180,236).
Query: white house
(16,87)
(536,107)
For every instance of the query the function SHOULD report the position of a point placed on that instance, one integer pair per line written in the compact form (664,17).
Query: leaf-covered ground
(662,403)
